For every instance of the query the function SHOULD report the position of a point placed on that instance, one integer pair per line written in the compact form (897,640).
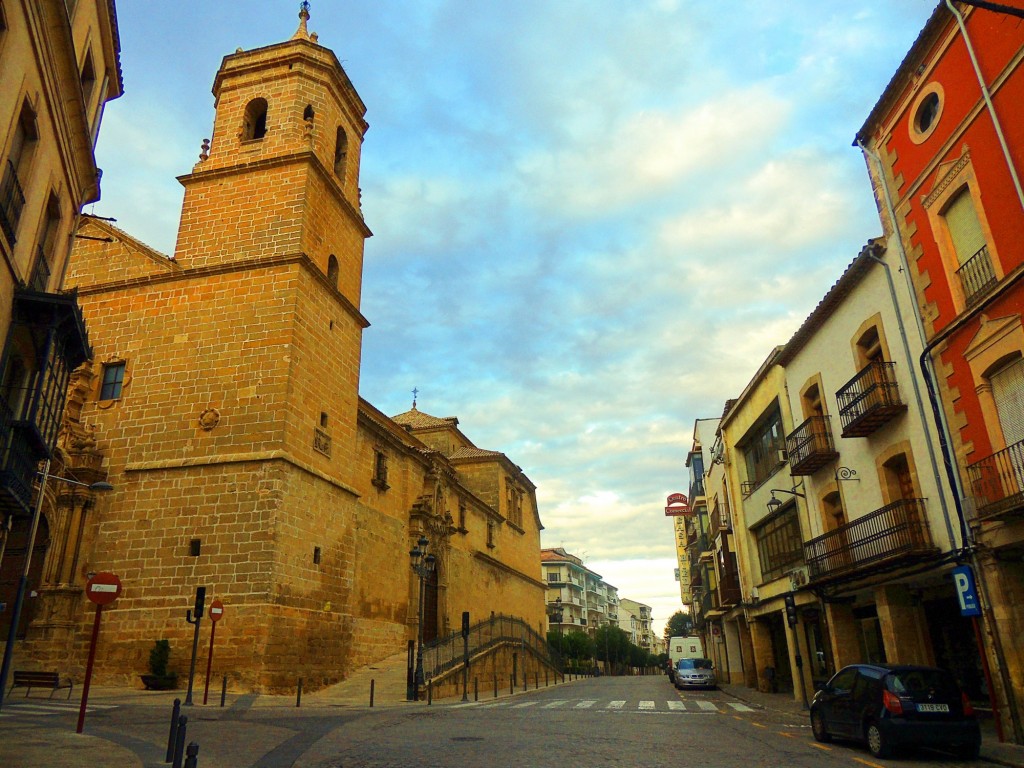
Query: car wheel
(820,727)
(878,743)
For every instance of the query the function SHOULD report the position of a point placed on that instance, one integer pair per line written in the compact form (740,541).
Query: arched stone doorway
(430,605)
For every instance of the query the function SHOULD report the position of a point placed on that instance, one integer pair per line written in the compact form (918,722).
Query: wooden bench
(30,680)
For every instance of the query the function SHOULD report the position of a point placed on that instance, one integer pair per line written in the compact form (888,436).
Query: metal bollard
(495,686)
(298,696)
(179,741)
(372,684)
(223,690)
(526,681)
(476,689)
(192,756)
(536,680)
(511,684)
(172,735)
(545,678)
(430,692)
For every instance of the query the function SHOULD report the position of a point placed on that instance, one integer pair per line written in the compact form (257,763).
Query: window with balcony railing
(809,447)
(976,276)
(870,399)
(897,531)
(997,481)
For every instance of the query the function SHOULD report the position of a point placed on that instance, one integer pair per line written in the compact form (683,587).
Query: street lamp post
(19,598)
(422,566)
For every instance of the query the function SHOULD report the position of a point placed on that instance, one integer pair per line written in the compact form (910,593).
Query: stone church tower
(222,403)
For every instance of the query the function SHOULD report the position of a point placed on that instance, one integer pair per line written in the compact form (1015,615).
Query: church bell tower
(281,174)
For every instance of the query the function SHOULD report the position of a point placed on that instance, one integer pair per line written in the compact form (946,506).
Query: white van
(685,648)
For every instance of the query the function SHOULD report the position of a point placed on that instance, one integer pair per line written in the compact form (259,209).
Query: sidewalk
(991,750)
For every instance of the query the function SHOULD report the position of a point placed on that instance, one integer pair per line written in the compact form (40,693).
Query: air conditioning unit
(798,578)
(782,456)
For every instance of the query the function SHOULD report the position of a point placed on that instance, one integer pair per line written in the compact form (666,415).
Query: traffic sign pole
(102,589)
(88,668)
(216,611)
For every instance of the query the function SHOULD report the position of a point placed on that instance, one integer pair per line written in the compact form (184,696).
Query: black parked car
(892,706)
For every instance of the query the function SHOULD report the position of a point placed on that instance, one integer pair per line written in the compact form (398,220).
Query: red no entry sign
(216,610)
(103,588)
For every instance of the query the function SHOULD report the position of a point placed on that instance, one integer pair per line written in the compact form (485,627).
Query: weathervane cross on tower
(415,393)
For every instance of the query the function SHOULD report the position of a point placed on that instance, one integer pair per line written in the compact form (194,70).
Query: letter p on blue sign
(963,582)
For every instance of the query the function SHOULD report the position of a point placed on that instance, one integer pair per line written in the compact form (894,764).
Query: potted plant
(159,679)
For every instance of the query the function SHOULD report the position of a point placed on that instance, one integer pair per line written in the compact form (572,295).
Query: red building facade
(944,148)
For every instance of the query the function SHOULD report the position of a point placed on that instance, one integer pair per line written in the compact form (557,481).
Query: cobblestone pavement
(639,721)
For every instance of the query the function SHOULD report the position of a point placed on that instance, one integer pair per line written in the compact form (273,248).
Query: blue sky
(592,219)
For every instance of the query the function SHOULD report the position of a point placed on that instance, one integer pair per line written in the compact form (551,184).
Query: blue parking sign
(966,593)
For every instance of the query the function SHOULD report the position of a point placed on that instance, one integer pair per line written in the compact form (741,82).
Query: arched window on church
(332,270)
(255,124)
(340,152)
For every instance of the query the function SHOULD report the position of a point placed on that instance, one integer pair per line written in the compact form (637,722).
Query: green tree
(679,625)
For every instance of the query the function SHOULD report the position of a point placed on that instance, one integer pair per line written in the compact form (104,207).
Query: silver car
(695,673)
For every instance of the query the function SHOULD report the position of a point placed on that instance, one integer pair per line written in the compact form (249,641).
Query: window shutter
(964,227)
(1008,391)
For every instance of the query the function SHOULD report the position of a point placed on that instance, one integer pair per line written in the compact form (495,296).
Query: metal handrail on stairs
(446,653)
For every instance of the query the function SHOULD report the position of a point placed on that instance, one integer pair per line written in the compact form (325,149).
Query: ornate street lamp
(422,566)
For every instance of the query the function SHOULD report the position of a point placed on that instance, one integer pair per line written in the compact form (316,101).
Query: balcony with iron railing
(809,447)
(997,482)
(977,276)
(720,518)
(870,399)
(12,201)
(895,535)
(729,588)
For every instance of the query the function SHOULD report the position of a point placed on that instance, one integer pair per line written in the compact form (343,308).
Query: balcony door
(1008,393)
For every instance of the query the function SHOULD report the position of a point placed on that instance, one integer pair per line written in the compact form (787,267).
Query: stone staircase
(388,676)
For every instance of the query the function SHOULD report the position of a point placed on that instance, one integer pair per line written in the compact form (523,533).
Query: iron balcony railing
(720,518)
(447,653)
(998,481)
(870,399)
(12,200)
(896,532)
(976,276)
(810,446)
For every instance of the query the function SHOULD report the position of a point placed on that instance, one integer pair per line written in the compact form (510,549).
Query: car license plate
(933,707)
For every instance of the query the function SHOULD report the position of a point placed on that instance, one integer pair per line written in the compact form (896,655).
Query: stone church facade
(222,402)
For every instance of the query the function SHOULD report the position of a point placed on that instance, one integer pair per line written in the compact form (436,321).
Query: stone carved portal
(429,517)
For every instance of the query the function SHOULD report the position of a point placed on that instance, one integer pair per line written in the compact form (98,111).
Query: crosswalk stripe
(676,705)
(707,705)
(616,704)
(525,704)
(740,707)
(556,704)
(646,705)
(585,704)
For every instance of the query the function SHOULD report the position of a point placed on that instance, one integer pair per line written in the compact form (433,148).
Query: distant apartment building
(636,621)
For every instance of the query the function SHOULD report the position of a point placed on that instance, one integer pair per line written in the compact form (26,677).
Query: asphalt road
(592,723)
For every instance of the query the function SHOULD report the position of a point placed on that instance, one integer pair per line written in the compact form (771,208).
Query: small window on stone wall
(340,152)
(316,555)
(255,123)
(308,113)
(113,381)
(490,534)
(332,270)
(380,470)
